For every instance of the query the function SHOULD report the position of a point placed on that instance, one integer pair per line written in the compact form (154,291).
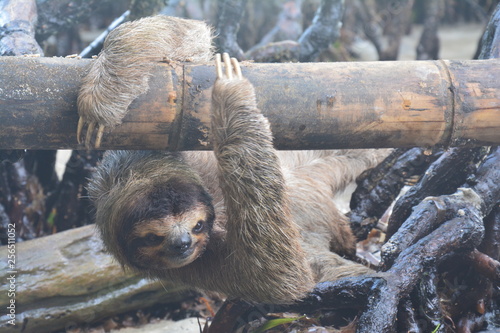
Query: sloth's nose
(181,244)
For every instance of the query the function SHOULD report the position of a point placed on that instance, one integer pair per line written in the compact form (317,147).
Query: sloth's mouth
(183,255)
(182,259)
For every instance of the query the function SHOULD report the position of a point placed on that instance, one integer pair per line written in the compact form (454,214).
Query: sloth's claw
(81,122)
(89,133)
(98,137)
(227,63)
(237,68)
(232,67)
(88,137)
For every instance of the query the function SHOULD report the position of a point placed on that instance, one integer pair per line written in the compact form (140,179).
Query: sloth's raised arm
(261,236)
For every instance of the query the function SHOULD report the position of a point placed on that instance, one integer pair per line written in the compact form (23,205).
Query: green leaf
(276,322)
(51,217)
(437,328)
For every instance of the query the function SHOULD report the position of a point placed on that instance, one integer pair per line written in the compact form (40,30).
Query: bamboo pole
(310,105)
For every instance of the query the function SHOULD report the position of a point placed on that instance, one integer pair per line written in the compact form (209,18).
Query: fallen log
(66,279)
(378,187)
(310,105)
(442,177)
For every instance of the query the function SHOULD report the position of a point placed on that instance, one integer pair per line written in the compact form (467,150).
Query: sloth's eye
(152,240)
(199,226)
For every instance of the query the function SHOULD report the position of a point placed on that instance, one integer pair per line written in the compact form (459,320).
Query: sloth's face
(171,241)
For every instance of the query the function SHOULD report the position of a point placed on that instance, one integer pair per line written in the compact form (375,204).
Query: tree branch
(324,30)
(231,12)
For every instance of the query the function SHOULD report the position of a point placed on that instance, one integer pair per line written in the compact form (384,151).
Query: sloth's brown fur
(122,70)
(271,225)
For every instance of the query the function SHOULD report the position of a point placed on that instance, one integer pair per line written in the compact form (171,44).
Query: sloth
(244,220)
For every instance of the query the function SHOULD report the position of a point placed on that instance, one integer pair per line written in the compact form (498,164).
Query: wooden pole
(310,105)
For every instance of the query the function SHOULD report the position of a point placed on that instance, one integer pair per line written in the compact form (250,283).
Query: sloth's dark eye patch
(151,240)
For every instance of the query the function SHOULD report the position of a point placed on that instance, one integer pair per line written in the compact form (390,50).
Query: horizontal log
(310,105)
